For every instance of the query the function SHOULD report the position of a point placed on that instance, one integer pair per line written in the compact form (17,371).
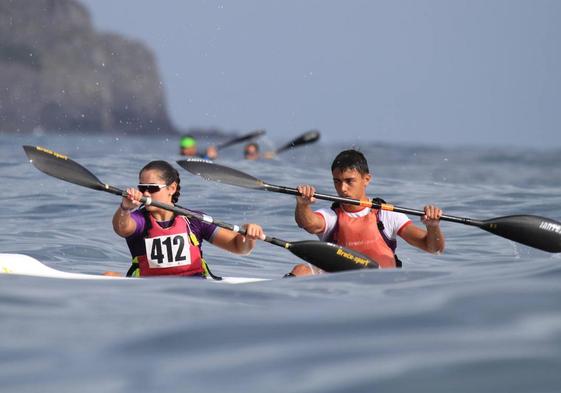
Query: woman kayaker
(162,243)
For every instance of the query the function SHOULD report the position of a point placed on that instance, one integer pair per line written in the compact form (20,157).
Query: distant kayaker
(251,152)
(188,148)
(162,243)
(370,231)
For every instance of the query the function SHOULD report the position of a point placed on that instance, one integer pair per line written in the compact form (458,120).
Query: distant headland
(57,74)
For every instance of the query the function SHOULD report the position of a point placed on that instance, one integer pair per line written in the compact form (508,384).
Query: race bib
(168,251)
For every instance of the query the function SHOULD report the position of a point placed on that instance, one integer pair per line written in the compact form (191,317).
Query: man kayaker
(188,148)
(370,231)
(251,152)
(162,243)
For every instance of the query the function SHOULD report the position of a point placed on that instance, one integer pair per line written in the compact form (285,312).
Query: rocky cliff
(58,74)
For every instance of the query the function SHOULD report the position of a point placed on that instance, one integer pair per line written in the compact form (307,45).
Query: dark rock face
(58,74)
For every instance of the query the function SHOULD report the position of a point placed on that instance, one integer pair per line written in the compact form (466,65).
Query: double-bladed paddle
(304,139)
(534,231)
(326,256)
(240,139)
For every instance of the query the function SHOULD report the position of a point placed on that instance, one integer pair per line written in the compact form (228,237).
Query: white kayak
(25,265)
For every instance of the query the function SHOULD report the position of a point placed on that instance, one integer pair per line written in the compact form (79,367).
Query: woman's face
(163,193)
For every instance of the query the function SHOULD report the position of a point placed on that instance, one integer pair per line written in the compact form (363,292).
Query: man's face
(350,183)
(189,151)
(251,153)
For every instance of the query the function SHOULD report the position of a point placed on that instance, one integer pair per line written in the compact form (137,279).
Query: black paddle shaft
(179,210)
(371,203)
(215,172)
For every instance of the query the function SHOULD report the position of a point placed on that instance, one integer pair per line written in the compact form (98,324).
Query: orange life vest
(364,234)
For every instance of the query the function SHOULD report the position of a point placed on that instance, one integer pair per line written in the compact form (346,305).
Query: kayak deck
(24,265)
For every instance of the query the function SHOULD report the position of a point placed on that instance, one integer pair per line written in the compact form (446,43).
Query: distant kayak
(24,265)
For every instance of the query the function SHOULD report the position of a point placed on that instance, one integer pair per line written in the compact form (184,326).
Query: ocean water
(485,316)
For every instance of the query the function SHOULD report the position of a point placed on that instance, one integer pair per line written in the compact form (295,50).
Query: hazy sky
(439,71)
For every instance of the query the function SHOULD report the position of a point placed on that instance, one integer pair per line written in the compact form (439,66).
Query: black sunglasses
(151,188)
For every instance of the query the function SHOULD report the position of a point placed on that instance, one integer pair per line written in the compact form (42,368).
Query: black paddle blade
(330,257)
(62,167)
(242,138)
(208,170)
(534,231)
(308,137)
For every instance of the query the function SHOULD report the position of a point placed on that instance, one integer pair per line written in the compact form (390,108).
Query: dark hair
(167,173)
(350,159)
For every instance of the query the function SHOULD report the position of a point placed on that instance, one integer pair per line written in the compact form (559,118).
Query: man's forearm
(307,219)
(435,239)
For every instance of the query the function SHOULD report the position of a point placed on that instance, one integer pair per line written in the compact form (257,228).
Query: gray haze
(435,72)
